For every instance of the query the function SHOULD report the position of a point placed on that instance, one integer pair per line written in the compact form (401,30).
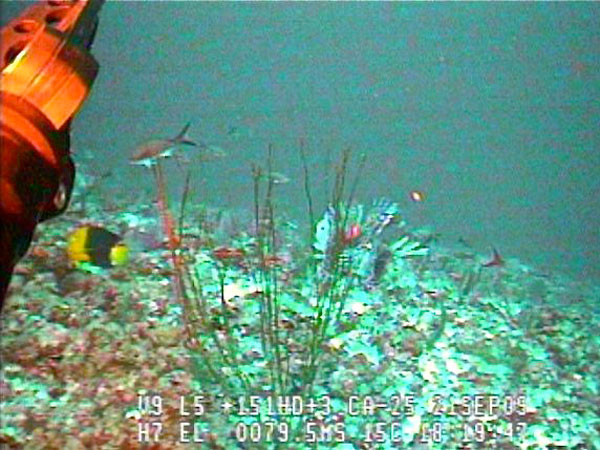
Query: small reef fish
(352,234)
(211,152)
(98,246)
(416,196)
(495,261)
(275,177)
(388,214)
(263,175)
(278,178)
(324,230)
(149,152)
(228,253)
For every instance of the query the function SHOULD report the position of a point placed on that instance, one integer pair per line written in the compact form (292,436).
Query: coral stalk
(173,241)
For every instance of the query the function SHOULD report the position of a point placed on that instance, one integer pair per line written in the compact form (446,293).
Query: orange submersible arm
(47,72)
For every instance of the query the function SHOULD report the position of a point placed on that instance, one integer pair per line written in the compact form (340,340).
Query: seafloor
(385,340)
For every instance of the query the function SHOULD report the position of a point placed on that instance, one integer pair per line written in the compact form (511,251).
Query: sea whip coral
(173,241)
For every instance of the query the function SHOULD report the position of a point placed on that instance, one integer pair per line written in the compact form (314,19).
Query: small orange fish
(271,261)
(149,152)
(416,196)
(352,234)
(228,253)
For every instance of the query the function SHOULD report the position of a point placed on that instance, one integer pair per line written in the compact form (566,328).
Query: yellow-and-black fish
(97,246)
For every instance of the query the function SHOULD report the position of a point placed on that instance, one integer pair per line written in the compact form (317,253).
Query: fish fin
(182,138)
(188,142)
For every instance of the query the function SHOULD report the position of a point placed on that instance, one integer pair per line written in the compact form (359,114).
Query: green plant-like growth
(275,345)
(330,269)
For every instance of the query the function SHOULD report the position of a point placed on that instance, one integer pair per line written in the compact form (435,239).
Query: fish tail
(182,138)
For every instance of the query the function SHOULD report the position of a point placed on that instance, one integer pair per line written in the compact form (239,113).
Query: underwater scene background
(379,230)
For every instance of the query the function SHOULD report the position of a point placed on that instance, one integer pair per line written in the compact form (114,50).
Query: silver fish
(149,152)
(276,177)
(325,230)
(212,152)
